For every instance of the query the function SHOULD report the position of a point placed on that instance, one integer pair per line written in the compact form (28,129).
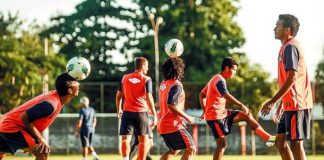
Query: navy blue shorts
(295,124)
(86,138)
(11,142)
(178,140)
(222,127)
(137,121)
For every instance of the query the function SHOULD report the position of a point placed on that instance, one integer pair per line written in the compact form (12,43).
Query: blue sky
(256,17)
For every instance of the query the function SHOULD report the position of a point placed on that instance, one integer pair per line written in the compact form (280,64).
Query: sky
(257,19)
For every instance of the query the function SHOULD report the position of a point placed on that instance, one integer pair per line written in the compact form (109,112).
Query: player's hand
(191,120)
(76,134)
(266,108)
(154,122)
(43,147)
(202,117)
(119,113)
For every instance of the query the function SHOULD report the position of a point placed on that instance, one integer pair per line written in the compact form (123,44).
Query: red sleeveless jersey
(169,122)
(215,103)
(134,92)
(11,121)
(300,95)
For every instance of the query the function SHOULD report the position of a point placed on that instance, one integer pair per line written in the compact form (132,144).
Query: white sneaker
(271,141)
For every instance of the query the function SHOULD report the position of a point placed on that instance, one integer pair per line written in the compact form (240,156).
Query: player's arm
(34,113)
(94,120)
(119,96)
(172,102)
(291,59)
(150,101)
(78,124)
(202,96)
(222,89)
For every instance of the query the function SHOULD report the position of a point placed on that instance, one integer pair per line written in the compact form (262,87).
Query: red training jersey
(215,102)
(11,121)
(170,122)
(299,97)
(134,92)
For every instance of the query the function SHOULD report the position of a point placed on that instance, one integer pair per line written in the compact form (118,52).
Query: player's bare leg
(126,145)
(169,155)
(297,148)
(254,125)
(188,154)
(84,151)
(220,149)
(283,147)
(143,146)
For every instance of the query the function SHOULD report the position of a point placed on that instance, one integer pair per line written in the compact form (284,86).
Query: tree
(206,28)
(23,63)
(319,83)
(100,31)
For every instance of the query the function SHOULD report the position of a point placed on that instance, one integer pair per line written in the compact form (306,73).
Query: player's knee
(191,150)
(222,146)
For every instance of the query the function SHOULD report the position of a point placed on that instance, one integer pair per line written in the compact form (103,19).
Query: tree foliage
(23,63)
(319,83)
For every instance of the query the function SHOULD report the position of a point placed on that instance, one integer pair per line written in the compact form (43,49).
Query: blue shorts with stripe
(295,124)
(222,127)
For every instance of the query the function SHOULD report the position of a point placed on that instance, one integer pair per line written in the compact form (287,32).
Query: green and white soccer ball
(173,48)
(78,67)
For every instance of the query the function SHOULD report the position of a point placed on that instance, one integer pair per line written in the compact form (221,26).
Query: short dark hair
(62,84)
(290,21)
(139,62)
(173,68)
(228,62)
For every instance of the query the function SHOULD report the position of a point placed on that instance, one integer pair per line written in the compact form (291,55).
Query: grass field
(200,157)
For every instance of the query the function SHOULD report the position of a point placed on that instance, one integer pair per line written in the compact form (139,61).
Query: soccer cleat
(271,141)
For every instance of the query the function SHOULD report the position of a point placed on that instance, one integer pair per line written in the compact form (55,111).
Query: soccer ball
(173,48)
(78,67)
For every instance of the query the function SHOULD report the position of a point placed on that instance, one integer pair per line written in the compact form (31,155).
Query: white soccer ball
(78,67)
(173,48)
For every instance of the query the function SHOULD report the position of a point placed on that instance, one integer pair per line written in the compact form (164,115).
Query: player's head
(287,24)
(84,101)
(141,64)
(229,67)
(173,68)
(66,85)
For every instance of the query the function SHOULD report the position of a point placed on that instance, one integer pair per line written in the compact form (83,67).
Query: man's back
(87,115)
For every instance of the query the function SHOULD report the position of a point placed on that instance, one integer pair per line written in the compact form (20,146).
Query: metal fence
(106,139)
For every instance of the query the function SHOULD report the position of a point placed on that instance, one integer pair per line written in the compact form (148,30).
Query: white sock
(94,154)
(125,158)
(84,158)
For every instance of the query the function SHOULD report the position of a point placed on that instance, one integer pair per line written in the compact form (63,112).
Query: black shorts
(137,121)
(295,124)
(11,142)
(178,140)
(86,138)
(222,127)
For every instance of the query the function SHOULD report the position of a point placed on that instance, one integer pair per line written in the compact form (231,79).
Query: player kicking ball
(221,119)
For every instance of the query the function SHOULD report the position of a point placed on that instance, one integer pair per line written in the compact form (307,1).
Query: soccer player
(172,99)
(86,128)
(21,127)
(294,91)
(219,118)
(136,93)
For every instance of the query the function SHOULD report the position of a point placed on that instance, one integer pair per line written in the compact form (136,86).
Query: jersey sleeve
(174,94)
(221,87)
(291,58)
(204,90)
(39,111)
(148,86)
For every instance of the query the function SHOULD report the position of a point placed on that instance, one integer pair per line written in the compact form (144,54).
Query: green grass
(200,157)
